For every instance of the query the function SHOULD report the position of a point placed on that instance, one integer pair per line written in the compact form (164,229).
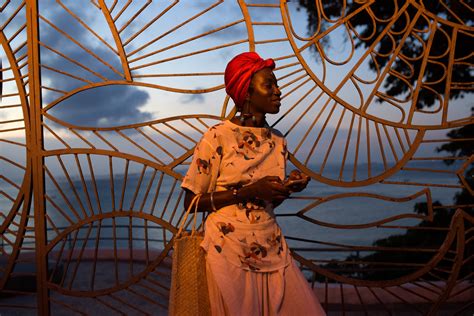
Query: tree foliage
(371,24)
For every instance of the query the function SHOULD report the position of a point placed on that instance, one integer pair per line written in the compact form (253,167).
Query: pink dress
(249,267)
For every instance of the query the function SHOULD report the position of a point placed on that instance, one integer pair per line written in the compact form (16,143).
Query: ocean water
(71,201)
(358,208)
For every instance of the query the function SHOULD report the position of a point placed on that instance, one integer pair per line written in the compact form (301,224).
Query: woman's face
(264,94)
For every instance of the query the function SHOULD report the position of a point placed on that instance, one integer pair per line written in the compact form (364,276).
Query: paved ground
(149,295)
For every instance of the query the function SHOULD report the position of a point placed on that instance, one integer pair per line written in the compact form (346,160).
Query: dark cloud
(103,106)
(192,98)
(108,105)
(234,32)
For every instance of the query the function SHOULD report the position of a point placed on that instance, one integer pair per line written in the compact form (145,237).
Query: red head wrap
(239,72)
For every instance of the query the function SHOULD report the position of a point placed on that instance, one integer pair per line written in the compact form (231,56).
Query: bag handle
(194,202)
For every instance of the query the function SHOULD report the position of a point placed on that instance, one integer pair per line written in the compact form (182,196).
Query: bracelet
(235,194)
(212,202)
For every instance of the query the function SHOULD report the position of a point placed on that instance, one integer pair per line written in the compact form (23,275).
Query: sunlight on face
(264,94)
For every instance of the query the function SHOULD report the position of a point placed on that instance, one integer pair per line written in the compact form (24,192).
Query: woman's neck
(255,120)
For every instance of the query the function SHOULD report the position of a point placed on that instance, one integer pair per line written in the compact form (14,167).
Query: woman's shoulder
(216,131)
(218,128)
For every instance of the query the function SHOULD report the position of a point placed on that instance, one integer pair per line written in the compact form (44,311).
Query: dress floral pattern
(241,238)
(231,156)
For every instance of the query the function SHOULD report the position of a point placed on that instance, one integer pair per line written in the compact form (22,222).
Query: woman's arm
(269,188)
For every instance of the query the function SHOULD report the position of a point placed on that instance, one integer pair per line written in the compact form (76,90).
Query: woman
(239,168)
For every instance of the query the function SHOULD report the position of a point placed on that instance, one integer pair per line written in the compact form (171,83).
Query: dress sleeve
(204,169)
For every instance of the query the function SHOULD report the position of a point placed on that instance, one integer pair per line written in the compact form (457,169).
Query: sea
(323,223)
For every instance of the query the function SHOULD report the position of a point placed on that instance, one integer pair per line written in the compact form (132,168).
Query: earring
(245,113)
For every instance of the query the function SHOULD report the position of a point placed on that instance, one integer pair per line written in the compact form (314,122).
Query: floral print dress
(241,239)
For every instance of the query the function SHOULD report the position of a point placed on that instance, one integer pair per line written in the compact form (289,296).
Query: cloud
(104,106)
(192,98)
(114,104)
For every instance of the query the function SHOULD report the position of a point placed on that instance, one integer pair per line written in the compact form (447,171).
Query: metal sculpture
(89,210)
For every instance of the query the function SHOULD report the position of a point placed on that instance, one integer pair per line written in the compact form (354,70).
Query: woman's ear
(247,95)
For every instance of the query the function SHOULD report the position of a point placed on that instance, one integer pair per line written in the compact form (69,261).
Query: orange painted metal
(89,211)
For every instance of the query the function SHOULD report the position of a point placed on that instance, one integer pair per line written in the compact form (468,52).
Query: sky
(90,57)
(115,105)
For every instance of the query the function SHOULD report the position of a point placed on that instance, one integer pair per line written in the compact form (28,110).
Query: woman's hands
(297,181)
(272,188)
(269,188)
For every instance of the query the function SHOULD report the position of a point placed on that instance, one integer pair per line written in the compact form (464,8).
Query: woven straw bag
(189,294)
